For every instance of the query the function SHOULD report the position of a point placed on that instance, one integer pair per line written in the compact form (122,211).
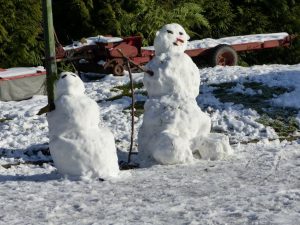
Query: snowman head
(171,38)
(69,84)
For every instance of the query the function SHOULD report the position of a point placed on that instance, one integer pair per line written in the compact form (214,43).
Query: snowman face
(171,38)
(69,84)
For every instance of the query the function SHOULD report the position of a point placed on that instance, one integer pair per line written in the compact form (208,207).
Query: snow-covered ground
(259,184)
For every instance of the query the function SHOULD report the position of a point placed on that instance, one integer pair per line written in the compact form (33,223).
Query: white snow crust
(210,42)
(92,41)
(18,71)
(259,184)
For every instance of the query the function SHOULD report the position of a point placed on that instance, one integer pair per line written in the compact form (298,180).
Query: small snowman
(79,145)
(174,128)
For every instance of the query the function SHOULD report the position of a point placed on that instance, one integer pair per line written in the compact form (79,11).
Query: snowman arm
(136,65)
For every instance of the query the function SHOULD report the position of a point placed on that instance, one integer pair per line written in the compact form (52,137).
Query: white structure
(174,129)
(79,145)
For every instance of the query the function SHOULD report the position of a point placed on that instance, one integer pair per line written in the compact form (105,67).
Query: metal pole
(50,60)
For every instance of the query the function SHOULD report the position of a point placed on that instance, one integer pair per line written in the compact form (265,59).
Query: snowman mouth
(178,42)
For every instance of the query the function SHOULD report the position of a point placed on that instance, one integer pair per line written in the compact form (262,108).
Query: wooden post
(50,60)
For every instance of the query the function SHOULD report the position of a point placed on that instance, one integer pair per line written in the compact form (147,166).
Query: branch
(133,63)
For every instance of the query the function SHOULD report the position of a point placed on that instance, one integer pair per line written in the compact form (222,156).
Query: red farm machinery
(102,54)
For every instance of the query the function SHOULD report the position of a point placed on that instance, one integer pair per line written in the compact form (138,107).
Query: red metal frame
(132,48)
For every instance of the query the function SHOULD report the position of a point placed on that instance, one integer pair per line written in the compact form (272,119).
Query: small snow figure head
(69,84)
(171,38)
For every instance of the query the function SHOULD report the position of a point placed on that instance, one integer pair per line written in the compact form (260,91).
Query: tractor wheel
(223,55)
(118,70)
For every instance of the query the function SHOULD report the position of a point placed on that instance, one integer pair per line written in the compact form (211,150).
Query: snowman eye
(64,76)
(180,33)
(170,32)
(73,75)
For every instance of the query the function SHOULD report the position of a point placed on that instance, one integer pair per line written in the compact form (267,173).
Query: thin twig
(133,63)
(132,105)
(132,112)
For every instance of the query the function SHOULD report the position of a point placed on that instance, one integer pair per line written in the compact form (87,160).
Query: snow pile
(92,41)
(210,43)
(19,71)
(234,40)
(78,146)
(174,127)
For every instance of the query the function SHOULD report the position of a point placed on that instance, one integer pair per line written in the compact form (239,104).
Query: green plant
(282,120)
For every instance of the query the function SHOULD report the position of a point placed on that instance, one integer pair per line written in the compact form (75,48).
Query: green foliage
(282,120)
(268,16)
(106,17)
(125,90)
(2,120)
(20,33)
(72,19)
(21,38)
(220,17)
(138,108)
(65,66)
(149,16)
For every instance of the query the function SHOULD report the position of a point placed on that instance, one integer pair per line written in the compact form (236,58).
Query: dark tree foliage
(106,17)
(20,33)
(268,16)
(220,17)
(72,19)
(152,15)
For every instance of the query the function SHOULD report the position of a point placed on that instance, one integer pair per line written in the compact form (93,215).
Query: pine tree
(106,17)
(149,16)
(20,33)
(268,16)
(72,19)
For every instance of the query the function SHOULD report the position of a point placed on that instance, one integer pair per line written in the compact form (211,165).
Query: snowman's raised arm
(142,68)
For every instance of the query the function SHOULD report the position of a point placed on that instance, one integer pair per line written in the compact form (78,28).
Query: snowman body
(174,127)
(79,145)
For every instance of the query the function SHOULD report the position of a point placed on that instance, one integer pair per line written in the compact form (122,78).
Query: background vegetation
(21,37)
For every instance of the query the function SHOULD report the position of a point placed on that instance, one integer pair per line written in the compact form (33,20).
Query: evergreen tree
(220,17)
(21,41)
(72,19)
(149,16)
(106,17)
(268,16)
(21,38)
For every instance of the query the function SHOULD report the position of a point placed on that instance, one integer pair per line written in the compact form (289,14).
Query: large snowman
(174,128)
(79,145)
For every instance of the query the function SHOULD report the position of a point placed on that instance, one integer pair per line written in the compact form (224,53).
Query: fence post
(50,60)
